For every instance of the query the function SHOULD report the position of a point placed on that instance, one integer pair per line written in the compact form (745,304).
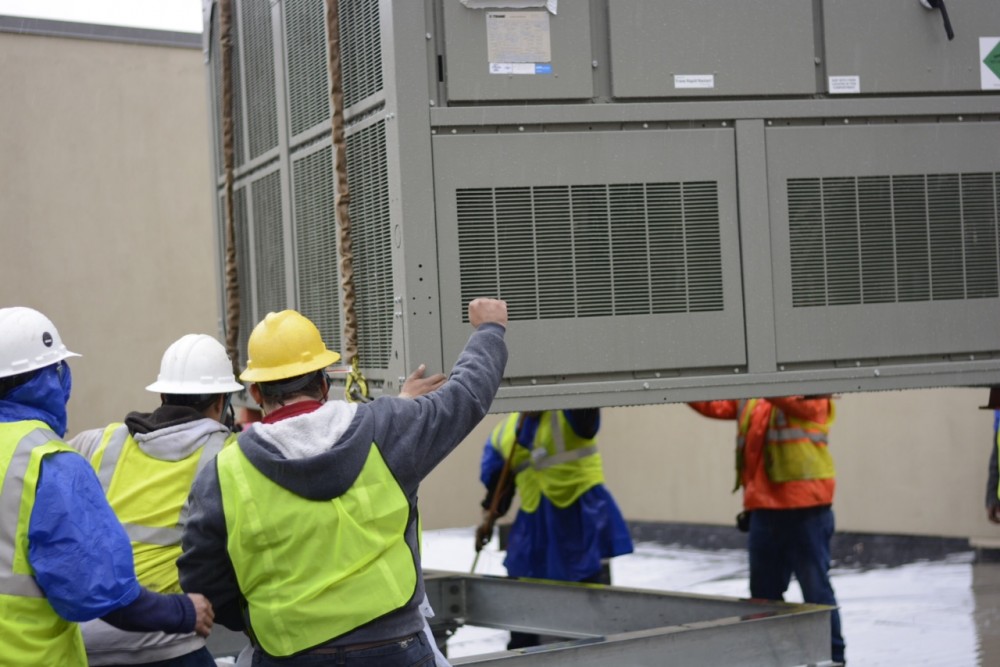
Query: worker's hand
(993,512)
(204,615)
(487,310)
(484,531)
(417,385)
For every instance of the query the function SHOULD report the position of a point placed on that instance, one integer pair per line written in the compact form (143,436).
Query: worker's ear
(258,397)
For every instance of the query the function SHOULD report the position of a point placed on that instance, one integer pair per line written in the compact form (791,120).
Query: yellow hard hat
(285,345)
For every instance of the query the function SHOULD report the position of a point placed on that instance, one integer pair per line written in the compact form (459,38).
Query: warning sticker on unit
(989,62)
(694,81)
(518,37)
(844,85)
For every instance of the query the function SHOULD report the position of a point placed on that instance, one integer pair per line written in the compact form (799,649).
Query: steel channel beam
(634,627)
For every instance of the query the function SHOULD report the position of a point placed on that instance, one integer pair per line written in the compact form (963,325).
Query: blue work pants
(796,541)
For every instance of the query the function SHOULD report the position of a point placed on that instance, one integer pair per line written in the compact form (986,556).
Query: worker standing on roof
(788,480)
(147,465)
(64,557)
(568,524)
(993,471)
(306,534)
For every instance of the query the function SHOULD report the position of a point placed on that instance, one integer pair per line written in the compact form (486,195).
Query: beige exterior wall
(106,208)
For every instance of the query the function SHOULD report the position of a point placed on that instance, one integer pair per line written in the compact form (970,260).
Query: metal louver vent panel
(592,250)
(360,49)
(316,243)
(893,239)
(308,80)
(269,244)
(258,52)
(368,182)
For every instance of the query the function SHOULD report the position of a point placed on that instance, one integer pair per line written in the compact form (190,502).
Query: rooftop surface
(944,612)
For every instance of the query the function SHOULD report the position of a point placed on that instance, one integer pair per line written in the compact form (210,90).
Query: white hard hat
(195,364)
(28,341)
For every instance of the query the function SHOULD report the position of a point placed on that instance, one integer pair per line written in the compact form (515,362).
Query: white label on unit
(694,81)
(845,85)
(518,37)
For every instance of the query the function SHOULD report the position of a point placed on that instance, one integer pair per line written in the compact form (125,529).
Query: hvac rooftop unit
(678,199)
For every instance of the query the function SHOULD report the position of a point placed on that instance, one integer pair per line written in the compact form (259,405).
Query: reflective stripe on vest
(11,493)
(794,449)
(31,633)
(560,465)
(314,570)
(541,458)
(166,536)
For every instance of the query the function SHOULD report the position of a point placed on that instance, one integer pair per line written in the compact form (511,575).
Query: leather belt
(332,650)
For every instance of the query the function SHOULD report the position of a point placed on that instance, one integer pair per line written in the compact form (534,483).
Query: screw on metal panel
(520,128)
(781,368)
(736,370)
(847,121)
(960,119)
(454,131)
(434,131)
(428,35)
(857,363)
(645,385)
(534,381)
(645,126)
(877,373)
(817,60)
(770,122)
(725,124)
(397,299)
(432,102)
(972,357)
(593,63)
(658,374)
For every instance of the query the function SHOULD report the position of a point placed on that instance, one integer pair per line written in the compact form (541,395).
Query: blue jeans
(786,542)
(199,658)
(407,652)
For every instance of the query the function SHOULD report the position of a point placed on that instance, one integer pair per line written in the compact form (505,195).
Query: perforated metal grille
(887,239)
(269,244)
(216,57)
(308,81)
(258,53)
(371,239)
(360,49)
(592,250)
(316,243)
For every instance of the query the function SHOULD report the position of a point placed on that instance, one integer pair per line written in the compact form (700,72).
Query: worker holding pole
(788,479)
(146,465)
(305,534)
(64,557)
(568,524)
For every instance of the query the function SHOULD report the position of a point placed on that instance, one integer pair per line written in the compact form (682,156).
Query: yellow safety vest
(997,434)
(796,448)
(31,632)
(312,571)
(561,465)
(149,497)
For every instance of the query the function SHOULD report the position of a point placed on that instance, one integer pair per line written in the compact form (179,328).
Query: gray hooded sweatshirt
(319,455)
